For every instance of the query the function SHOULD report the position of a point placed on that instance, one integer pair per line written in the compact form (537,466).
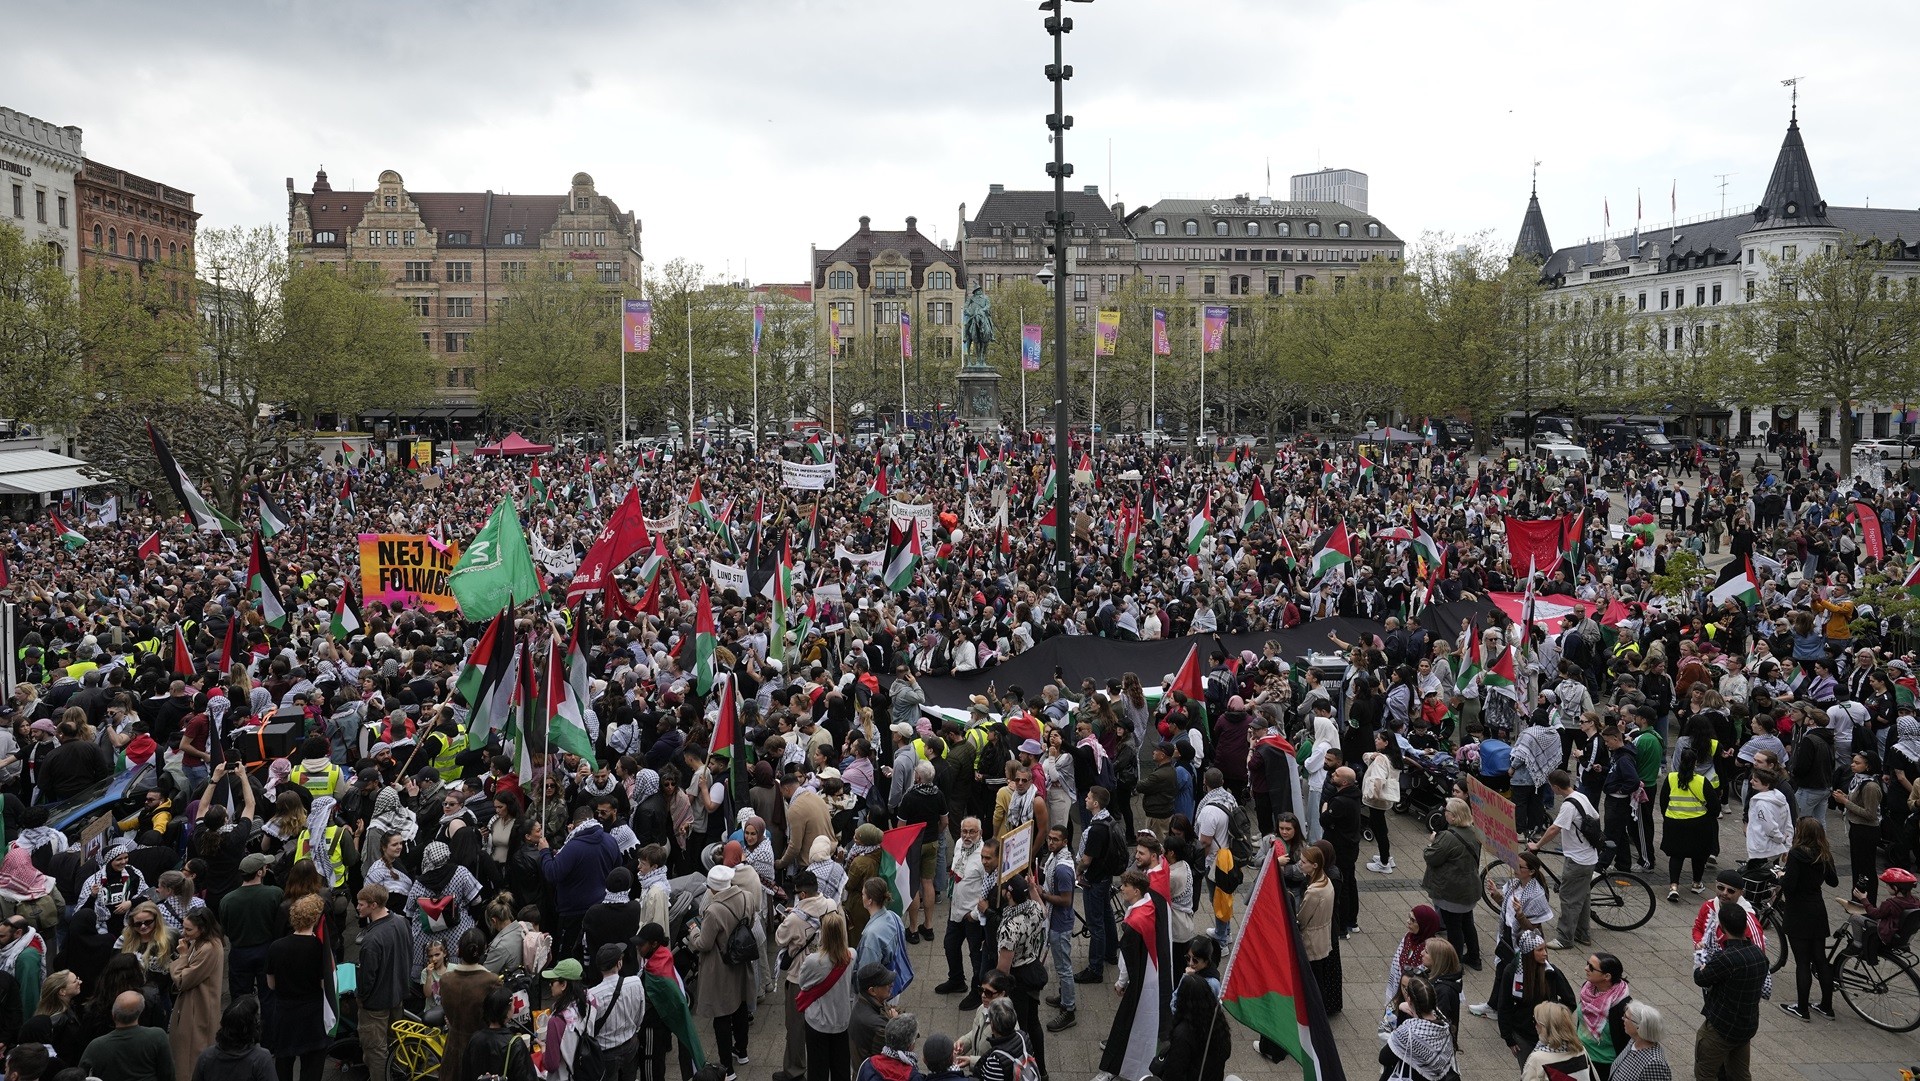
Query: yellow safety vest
(443,763)
(336,859)
(324,783)
(1686,801)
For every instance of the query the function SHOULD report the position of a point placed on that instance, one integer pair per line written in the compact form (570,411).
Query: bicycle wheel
(1776,928)
(1885,993)
(1622,900)
(1495,874)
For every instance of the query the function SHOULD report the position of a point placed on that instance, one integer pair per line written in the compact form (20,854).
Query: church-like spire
(1793,196)
(1533,243)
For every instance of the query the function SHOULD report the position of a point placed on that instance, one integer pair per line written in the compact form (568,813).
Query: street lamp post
(1059,26)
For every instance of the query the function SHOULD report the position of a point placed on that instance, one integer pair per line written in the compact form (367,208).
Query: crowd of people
(302,793)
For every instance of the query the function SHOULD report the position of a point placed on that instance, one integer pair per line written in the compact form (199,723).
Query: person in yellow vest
(1690,805)
(316,772)
(443,745)
(330,840)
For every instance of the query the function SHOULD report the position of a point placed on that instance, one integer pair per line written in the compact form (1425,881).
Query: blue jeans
(1103,948)
(1062,944)
(1310,816)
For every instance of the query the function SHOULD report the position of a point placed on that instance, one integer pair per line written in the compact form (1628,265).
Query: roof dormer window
(1159,227)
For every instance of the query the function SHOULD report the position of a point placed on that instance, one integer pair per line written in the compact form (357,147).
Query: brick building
(455,256)
(137,226)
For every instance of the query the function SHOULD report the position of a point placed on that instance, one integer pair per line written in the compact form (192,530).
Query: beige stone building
(1007,241)
(1222,250)
(454,256)
(875,275)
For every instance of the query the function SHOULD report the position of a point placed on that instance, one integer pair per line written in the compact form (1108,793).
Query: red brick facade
(134,225)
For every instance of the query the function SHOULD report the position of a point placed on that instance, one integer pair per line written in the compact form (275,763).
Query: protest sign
(407,570)
(806,476)
(1493,817)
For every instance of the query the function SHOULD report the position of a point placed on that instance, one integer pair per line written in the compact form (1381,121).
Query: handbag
(1031,976)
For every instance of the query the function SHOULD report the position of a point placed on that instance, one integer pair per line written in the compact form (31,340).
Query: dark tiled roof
(1718,239)
(452,212)
(1533,242)
(1176,211)
(1031,208)
(1793,196)
(860,248)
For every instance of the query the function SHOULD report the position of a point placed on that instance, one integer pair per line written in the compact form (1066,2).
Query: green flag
(496,570)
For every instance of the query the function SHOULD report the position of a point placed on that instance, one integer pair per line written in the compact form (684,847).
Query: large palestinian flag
(1146,1006)
(1330,550)
(896,861)
(1270,989)
(1742,588)
(486,683)
(667,1000)
(204,516)
(903,554)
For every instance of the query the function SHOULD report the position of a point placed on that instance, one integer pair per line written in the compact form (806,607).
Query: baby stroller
(1491,760)
(1426,783)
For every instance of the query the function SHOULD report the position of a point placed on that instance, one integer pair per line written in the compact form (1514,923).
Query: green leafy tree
(42,342)
(1474,307)
(550,358)
(721,321)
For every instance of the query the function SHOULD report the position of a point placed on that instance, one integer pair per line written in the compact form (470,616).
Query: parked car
(1568,453)
(1882,449)
(88,813)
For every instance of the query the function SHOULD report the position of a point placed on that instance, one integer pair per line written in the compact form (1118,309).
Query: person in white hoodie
(1769,825)
(1325,738)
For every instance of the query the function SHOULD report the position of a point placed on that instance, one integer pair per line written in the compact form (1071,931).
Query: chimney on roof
(320,181)
(1091,189)
(289,183)
(911,221)
(996,189)
(865,224)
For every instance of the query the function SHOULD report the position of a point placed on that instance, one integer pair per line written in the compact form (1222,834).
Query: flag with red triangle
(1188,680)
(226,647)
(182,656)
(1502,678)
(149,547)
(1270,986)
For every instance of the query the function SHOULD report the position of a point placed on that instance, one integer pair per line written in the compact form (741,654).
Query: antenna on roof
(1536,177)
(1793,87)
(1723,191)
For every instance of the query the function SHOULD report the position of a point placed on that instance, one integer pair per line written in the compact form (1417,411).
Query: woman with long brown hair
(1803,903)
(825,1001)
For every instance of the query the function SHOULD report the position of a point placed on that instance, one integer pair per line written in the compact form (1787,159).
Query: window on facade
(1207,283)
(1159,227)
(1190,227)
(1313,228)
(940,279)
(1789,252)
(940,313)
(840,279)
(887,313)
(889,279)
(40,207)
(567,239)
(1166,284)
(392,202)
(1253,228)
(1079,287)
(513,270)
(459,272)
(1179,283)
(600,240)
(456,341)
(19,201)
(1343,229)
(1283,228)
(606,273)
(373,237)
(326,236)
(393,238)
(459,307)
(426,340)
(1750,290)
(1699,295)
(113,241)
(422,306)
(97,237)
(1303,283)
(1373,228)
(1663,300)
(1273,285)
(514,237)
(989,251)
(418,272)
(1221,228)
(583,202)
(63,212)
(1716,292)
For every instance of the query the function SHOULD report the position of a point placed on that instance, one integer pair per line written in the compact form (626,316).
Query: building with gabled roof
(865,283)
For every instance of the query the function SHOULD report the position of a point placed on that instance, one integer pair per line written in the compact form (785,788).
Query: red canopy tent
(514,444)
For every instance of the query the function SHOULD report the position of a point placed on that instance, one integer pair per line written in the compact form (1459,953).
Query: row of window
(888,312)
(39,205)
(1191,227)
(141,211)
(109,242)
(886,279)
(1021,230)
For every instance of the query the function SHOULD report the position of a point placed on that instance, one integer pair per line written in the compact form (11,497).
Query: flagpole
(1023,372)
(756,397)
(623,373)
(689,299)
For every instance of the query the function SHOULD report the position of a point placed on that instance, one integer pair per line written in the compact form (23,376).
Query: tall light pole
(1058,122)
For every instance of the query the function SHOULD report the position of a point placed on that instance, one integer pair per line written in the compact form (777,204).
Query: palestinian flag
(260,580)
(1911,583)
(903,555)
(1274,752)
(1365,474)
(65,533)
(346,492)
(897,848)
(1331,549)
(878,490)
(149,547)
(1189,680)
(1199,526)
(1742,588)
(1145,1010)
(1083,473)
(566,723)
(201,513)
(593,498)
(1469,660)
(667,1000)
(650,567)
(347,453)
(182,656)
(697,506)
(518,732)
(782,598)
(1423,543)
(1502,678)
(346,614)
(273,519)
(815,448)
(726,727)
(486,682)
(1129,540)
(1256,506)
(1049,524)
(1046,494)
(704,642)
(1270,988)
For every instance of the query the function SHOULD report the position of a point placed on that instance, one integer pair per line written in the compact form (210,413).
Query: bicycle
(414,1049)
(1764,895)
(1619,900)
(1879,984)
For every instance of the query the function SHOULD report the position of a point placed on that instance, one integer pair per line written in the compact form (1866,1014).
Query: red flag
(182,657)
(650,600)
(625,534)
(149,547)
(1871,543)
(1270,987)
(226,648)
(1187,680)
(614,603)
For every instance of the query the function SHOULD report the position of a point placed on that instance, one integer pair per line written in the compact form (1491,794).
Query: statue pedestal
(980,398)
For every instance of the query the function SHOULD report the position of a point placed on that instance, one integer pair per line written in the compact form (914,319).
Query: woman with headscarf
(1521,982)
(1422,924)
(1897,820)
(113,890)
(28,892)
(439,900)
(458,829)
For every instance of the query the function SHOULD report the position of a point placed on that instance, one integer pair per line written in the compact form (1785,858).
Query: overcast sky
(743,131)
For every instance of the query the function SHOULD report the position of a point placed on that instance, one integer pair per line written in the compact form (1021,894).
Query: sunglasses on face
(142,924)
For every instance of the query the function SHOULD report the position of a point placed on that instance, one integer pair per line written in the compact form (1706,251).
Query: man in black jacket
(1340,824)
(1102,850)
(616,920)
(1811,764)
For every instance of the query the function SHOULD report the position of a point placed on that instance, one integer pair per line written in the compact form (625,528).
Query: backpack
(1024,1067)
(589,1061)
(1240,835)
(1117,855)
(439,915)
(740,947)
(1590,830)
(535,948)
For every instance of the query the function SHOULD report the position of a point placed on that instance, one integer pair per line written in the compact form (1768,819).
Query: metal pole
(1023,373)
(623,385)
(756,398)
(1059,26)
(689,371)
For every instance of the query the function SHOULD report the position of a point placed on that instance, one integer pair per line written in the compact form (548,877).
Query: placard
(1493,817)
(922,515)
(1016,851)
(805,476)
(727,577)
(407,570)
(869,561)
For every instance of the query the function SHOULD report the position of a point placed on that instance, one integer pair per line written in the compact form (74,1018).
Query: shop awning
(45,481)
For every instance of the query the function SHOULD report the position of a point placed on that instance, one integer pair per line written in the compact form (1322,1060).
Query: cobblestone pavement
(1658,959)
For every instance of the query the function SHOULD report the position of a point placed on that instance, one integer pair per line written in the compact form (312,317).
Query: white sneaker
(1480,1010)
(1377,867)
(1391,867)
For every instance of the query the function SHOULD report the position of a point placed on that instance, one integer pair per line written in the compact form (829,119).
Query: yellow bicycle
(414,1050)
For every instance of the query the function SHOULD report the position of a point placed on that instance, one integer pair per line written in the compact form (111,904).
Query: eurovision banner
(407,570)
(1106,333)
(1030,347)
(921,513)
(906,335)
(759,325)
(636,326)
(833,332)
(1214,331)
(1162,347)
(805,476)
